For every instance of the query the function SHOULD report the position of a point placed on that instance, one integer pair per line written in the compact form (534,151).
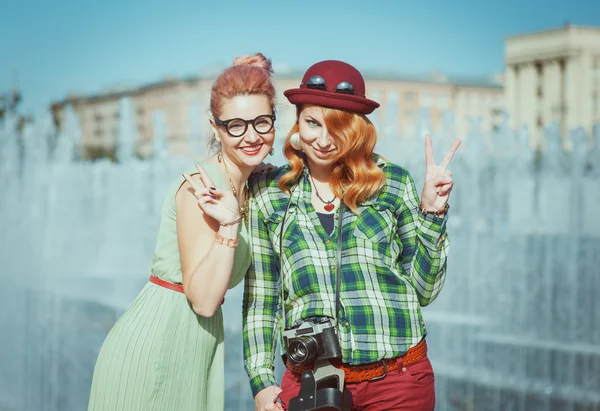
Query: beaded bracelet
(229,242)
(435,213)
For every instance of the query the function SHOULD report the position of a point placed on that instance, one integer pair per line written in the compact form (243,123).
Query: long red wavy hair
(355,176)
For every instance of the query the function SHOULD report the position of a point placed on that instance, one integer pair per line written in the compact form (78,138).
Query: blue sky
(57,48)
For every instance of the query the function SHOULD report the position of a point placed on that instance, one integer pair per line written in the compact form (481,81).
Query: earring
(295,141)
(219,157)
(272,151)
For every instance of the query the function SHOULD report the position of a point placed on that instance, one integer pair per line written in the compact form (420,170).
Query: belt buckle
(381,377)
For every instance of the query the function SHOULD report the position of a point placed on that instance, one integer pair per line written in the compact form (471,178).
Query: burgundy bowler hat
(333,84)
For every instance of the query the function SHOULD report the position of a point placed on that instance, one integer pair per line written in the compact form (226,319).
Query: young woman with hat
(340,233)
(166,352)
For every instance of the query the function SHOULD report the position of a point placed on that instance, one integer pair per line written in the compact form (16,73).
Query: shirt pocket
(274,224)
(375,224)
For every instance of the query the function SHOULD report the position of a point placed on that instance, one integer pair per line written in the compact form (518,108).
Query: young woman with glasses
(166,351)
(340,235)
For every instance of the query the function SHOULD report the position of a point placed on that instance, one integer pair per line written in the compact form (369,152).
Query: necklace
(244,207)
(329,206)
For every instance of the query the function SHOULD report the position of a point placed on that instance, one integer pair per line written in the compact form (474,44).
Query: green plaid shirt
(393,263)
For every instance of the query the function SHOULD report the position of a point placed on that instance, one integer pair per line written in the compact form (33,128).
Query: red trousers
(407,388)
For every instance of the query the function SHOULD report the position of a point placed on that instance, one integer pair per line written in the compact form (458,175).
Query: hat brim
(340,101)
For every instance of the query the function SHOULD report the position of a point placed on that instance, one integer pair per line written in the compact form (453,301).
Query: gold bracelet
(237,220)
(435,213)
(229,242)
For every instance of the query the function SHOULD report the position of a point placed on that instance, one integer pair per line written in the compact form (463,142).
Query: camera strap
(287,207)
(338,265)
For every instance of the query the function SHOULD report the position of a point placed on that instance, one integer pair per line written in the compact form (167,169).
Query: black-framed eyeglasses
(237,127)
(318,83)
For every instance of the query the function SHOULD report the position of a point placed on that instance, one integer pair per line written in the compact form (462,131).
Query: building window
(443,101)
(425,99)
(539,77)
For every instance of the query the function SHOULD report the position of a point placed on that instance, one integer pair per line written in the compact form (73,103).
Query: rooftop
(567,27)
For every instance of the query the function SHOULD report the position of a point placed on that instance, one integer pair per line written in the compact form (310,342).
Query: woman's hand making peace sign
(218,203)
(438,180)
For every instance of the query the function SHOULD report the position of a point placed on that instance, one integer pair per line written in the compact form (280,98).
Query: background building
(407,104)
(553,76)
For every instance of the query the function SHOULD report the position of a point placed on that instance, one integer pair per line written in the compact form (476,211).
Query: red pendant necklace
(329,206)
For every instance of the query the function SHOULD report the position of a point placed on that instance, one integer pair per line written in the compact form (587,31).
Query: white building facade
(554,77)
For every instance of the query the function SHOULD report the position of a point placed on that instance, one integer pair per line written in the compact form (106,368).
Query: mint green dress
(160,355)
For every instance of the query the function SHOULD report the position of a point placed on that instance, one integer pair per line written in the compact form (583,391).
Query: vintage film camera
(313,339)
(314,342)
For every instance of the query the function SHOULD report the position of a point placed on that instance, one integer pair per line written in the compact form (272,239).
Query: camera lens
(302,349)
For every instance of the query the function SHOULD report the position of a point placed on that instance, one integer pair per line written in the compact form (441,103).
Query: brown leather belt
(376,370)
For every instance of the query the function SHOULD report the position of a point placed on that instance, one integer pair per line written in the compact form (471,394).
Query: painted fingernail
(213,197)
(212,188)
